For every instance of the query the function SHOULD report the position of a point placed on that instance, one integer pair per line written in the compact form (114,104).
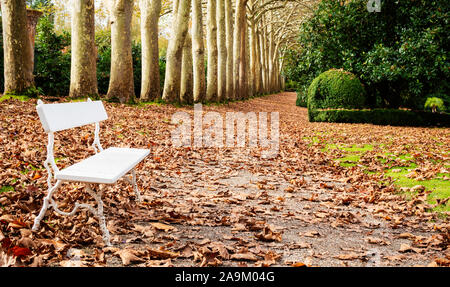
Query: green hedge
(336,88)
(400,54)
(301,99)
(391,117)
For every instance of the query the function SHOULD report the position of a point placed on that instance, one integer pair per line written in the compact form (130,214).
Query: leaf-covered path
(222,206)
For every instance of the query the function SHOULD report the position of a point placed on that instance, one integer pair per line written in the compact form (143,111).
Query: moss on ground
(401,166)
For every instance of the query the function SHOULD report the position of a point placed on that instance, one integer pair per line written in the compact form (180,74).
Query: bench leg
(45,206)
(101,217)
(135,187)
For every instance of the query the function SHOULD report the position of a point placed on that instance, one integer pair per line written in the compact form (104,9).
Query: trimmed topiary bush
(435,104)
(336,89)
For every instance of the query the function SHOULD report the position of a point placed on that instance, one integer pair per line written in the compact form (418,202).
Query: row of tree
(245,44)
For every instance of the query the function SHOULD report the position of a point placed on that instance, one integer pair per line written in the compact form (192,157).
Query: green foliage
(435,104)
(393,117)
(52,59)
(291,86)
(31,92)
(336,89)
(39,4)
(400,54)
(301,99)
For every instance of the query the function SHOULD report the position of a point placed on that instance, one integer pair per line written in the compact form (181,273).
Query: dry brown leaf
(129,256)
(162,254)
(379,241)
(348,256)
(311,233)
(244,256)
(162,226)
(268,235)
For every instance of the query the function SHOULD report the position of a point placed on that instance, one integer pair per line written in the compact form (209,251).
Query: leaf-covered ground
(336,195)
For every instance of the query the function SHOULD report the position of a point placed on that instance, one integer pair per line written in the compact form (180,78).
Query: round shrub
(336,89)
(435,104)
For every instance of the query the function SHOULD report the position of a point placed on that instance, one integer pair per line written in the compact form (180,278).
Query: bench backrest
(58,117)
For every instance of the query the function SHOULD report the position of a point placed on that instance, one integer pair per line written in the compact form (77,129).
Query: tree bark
(211,42)
(186,89)
(198,52)
(150,87)
(18,69)
(222,52)
(229,39)
(32,20)
(258,68)
(238,51)
(174,51)
(243,69)
(83,71)
(121,82)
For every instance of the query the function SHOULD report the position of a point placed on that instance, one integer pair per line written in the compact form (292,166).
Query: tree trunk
(150,88)
(262,57)
(222,52)
(174,51)
(121,82)
(186,89)
(211,42)
(243,77)
(198,52)
(83,71)
(18,69)
(229,39)
(239,49)
(258,68)
(32,20)
(254,59)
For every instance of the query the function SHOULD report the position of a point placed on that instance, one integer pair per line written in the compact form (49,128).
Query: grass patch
(6,188)
(403,165)
(22,98)
(440,188)
(349,160)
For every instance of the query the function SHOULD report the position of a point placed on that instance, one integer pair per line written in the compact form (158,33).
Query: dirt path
(312,215)
(232,207)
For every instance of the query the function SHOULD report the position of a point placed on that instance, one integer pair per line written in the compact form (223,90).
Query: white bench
(105,167)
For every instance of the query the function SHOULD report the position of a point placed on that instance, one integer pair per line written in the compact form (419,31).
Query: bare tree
(174,50)
(150,87)
(18,71)
(121,82)
(229,39)
(198,52)
(83,75)
(222,52)
(186,89)
(211,44)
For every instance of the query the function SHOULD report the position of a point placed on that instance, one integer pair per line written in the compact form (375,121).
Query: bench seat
(104,167)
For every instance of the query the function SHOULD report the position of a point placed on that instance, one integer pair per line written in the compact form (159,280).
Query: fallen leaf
(379,241)
(268,235)
(162,254)
(244,256)
(348,256)
(162,226)
(129,256)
